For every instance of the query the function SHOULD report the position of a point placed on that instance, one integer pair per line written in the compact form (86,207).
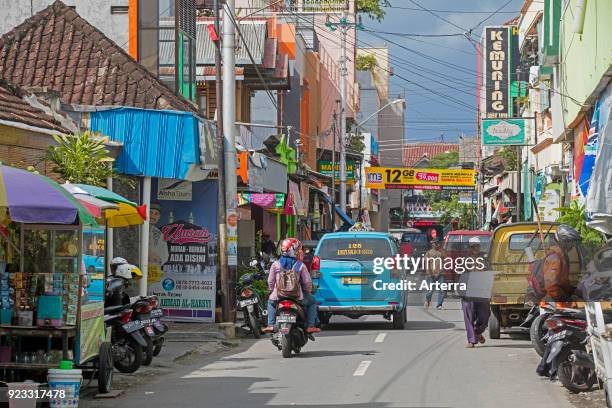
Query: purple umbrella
(35,199)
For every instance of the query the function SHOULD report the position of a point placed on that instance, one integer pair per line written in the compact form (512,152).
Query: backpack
(535,289)
(288,282)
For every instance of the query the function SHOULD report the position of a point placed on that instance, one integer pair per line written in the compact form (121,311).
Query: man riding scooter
(289,269)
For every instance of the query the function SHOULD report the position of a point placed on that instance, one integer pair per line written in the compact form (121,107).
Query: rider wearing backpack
(289,277)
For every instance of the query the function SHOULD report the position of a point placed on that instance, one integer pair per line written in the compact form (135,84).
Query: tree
(365,63)
(373,8)
(575,217)
(81,158)
(444,160)
(355,142)
(453,210)
(509,156)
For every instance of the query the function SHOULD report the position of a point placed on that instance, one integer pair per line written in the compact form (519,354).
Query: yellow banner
(419,179)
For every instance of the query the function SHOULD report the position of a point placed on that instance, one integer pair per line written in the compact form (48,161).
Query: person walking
(434,268)
(476,313)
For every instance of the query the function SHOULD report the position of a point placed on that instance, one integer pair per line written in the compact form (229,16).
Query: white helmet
(127,271)
(474,241)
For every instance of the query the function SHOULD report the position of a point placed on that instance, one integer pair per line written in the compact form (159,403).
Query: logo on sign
(504,130)
(375,178)
(168,284)
(425,176)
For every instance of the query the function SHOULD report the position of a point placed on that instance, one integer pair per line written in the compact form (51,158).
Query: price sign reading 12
(395,175)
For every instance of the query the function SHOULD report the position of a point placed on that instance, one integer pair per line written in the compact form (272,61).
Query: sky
(436,68)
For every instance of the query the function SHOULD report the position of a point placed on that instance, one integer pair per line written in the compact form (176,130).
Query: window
(518,242)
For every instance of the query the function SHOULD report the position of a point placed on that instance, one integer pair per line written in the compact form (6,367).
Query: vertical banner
(232,237)
(183,246)
(497,72)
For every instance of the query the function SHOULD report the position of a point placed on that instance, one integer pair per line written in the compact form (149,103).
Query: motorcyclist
(556,264)
(119,280)
(290,251)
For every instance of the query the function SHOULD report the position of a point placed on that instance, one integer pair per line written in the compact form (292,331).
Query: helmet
(128,271)
(290,247)
(118,261)
(474,241)
(566,234)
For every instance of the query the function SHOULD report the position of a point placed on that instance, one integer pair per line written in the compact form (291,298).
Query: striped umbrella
(35,199)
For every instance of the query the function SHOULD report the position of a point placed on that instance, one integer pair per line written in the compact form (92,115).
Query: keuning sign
(497,71)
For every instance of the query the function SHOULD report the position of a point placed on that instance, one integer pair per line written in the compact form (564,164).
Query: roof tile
(59,49)
(415,152)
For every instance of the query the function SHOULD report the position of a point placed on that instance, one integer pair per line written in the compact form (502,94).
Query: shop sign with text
(419,179)
(325,167)
(503,132)
(497,72)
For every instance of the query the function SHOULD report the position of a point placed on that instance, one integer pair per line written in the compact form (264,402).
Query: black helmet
(567,234)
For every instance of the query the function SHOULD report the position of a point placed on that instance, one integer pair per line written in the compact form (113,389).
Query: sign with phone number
(419,179)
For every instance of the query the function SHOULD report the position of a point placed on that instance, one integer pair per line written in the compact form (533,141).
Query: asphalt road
(363,363)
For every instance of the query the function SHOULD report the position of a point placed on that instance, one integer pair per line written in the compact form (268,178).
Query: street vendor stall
(46,316)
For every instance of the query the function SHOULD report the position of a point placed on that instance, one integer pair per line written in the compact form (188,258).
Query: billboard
(325,167)
(419,179)
(496,132)
(497,62)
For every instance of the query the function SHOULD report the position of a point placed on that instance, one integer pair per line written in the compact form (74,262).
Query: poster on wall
(497,61)
(183,252)
(549,202)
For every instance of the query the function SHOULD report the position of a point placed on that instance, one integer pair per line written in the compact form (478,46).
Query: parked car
(508,258)
(456,245)
(414,242)
(343,272)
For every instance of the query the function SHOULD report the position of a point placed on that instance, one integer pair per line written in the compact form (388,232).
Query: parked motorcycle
(566,356)
(146,310)
(290,329)
(251,298)
(127,342)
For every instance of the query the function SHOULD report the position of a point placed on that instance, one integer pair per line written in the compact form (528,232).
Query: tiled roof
(415,152)
(14,109)
(58,49)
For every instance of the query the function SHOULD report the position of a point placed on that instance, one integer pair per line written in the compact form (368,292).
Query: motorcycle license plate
(131,326)
(247,302)
(157,313)
(557,336)
(150,331)
(286,318)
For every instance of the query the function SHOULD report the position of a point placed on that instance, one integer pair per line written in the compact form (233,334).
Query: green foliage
(508,153)
(355,142)
(365,63)
(373,8)
(453,210)
(444,160)
(81,158)
(575,216)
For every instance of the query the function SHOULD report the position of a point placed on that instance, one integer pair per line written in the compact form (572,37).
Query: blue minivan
(343,273)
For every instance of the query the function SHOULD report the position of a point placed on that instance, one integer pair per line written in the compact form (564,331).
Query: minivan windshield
(415,238)
(361,249)
(461,242)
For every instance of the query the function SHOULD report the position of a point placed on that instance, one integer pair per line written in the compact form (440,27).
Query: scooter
(566,356)
(127,342)
(146,310)
(290,329)
(251,301)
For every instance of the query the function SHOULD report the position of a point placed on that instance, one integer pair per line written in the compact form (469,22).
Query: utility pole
(344,26)
(333,186)
(222,244)
(229,129)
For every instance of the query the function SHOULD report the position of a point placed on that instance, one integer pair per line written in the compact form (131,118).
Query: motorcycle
(146,310)
(251,300)
(127,342)
(290,329)
(566,355)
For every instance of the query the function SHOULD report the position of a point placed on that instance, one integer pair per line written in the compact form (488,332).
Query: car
(343,273)
(414,243)
(456,245)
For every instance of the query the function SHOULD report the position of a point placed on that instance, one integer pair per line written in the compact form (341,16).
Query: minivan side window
(520,241)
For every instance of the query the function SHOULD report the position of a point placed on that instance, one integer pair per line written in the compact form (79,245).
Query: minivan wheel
(494,329)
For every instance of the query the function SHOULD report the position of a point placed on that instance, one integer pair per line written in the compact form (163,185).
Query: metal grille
(187,17)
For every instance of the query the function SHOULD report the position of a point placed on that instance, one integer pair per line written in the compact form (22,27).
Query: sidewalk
(183,342)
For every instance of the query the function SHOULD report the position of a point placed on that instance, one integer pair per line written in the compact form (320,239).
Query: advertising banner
(91,331)
(274,201)
(497,61)
(419,179)
(503,132)
(177,190)
(183,252)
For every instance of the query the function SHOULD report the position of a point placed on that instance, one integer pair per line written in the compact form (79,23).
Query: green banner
(325,167)
(503,132)
(91,331)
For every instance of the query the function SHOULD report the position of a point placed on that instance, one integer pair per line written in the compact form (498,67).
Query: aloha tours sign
(500,132)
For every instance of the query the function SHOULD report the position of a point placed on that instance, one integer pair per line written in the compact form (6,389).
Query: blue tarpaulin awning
(156,143)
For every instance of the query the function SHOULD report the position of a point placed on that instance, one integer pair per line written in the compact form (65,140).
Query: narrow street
(363,363)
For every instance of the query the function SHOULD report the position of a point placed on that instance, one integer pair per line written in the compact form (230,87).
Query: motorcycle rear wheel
(147,357)
(564,373)
(133,356)
(286,345)
(536,332)
(254,324)
(158,348)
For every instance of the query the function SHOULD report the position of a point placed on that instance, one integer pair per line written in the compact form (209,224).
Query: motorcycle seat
(116,309)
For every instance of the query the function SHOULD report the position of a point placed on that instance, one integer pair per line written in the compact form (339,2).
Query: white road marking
(380,338)
(362,368)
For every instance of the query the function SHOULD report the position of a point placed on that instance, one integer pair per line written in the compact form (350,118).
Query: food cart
(46,315)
